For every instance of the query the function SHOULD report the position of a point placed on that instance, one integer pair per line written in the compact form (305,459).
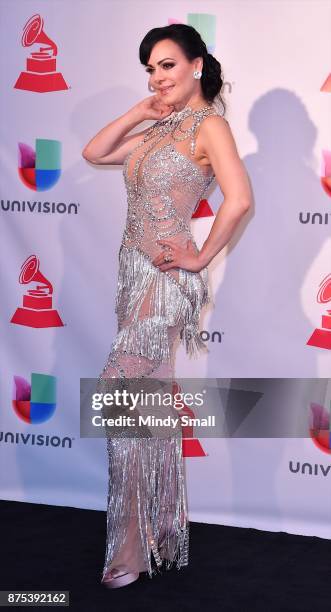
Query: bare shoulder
(214,126)
(219,146)
(215,134)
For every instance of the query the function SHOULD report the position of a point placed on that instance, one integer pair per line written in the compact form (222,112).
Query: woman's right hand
(112,144)
(153,107)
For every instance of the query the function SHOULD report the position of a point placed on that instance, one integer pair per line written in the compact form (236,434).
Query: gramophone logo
(321,337)
(191,446)
(36,402)
(40,169)
(320,427)
(37,308)
(40,74)
(326,172)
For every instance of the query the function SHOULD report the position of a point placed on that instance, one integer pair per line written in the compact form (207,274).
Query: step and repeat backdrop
(69,68)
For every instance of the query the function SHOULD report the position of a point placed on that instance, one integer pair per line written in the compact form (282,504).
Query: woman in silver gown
(162,284)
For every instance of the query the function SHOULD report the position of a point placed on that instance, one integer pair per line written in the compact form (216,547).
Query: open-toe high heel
(116,578)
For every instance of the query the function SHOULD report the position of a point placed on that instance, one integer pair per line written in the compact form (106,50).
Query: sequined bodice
(164,183)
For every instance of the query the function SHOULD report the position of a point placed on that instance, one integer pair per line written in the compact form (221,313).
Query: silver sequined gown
(147,492)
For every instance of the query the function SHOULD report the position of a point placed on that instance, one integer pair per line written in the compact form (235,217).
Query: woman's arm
(111,145)
(219,146)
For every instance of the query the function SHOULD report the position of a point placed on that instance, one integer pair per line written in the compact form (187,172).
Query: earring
(150,88)
(197,74)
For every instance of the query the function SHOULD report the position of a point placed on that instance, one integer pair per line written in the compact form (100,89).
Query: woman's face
(171,74)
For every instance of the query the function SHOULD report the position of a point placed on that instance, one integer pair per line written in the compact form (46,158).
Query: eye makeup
(166,65)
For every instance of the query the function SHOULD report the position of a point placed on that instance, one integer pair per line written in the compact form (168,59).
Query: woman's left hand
(182,257)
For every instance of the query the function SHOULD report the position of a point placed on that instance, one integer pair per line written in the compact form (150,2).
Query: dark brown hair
(192,46)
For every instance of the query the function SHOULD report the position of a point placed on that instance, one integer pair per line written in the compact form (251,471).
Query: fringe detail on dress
(135,276)
(191,339)
(147,337)
(198,288)
(146,484)
(170,302)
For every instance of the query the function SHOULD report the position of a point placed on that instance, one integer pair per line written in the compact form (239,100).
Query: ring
(167,258)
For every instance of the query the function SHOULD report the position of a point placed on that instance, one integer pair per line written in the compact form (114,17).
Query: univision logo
(205,24)
(208,336)
(40,169)
(36,402)
(9,437)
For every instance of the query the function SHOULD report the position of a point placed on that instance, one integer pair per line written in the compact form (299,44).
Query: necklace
(177,117)
(173,125)
(188,110)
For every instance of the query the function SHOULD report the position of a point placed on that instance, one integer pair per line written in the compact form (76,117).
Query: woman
(163,279)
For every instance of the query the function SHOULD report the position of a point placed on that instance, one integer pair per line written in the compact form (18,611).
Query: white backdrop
(276,60)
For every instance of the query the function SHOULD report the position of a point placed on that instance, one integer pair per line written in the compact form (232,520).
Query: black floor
(230,568)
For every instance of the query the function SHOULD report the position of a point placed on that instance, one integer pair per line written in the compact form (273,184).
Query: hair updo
(192,45)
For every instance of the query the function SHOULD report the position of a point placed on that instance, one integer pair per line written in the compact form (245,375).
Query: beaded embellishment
(146,474)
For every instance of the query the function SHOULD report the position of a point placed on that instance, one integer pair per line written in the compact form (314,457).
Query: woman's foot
(116,578)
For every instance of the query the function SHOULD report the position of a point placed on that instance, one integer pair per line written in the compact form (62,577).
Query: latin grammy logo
(326,87)
(321,337)
(326,172)
(37,308)
(191,446)
(40,74)
(320,427)
(203,210)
